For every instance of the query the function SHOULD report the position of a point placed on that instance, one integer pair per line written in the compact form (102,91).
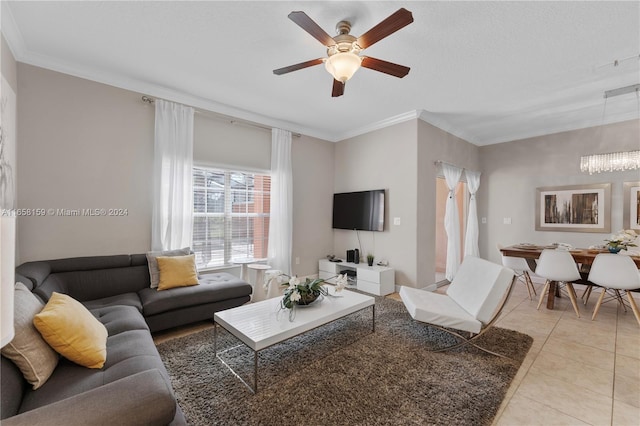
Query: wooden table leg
(552,293)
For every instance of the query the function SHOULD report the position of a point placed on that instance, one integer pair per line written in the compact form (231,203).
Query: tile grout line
(615,361)
(528,368)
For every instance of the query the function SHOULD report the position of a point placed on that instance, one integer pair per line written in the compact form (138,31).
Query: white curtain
(471,237)
(281,216)
(451,220)
(171,223)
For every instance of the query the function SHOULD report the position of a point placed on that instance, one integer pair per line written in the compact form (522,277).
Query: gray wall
(82,145)
(400,159)
(512,172)
(89,145)
(383,159)
(434,145)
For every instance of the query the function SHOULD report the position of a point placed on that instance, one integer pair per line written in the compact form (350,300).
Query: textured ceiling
(486,71)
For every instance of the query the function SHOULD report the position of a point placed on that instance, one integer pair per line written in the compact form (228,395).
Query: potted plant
(622,240)
(370,259)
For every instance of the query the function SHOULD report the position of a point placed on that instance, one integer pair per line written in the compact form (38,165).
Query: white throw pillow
(28,350)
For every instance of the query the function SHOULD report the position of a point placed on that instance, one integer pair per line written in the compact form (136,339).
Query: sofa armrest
(143,398)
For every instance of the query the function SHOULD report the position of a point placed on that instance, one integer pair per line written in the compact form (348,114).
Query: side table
(258,286)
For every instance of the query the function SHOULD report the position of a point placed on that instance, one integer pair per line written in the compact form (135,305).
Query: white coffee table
(262,324)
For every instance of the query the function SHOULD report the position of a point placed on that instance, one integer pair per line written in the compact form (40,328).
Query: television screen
(362,210)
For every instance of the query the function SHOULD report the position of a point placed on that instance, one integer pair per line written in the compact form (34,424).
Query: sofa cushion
(28,350)
(73,331)
(95,284)
(154,272)
(126,299)
(212,288)
(13,387)
(177,271)
(130,350)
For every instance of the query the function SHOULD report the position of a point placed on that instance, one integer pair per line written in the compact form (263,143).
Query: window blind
(230,216)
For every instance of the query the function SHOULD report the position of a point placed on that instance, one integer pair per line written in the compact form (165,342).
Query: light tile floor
(578,371)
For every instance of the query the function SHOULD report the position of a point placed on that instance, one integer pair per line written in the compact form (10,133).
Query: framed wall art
(631,206)
(575,208)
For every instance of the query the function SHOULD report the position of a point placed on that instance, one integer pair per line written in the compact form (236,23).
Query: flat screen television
(363,210)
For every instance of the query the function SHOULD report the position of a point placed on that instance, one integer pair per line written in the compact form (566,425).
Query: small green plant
(370,258)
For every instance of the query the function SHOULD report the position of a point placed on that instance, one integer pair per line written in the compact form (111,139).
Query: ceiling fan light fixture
(343,65)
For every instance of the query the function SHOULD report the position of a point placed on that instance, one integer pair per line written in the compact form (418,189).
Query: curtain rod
(449,164)
(454,165)
(149,100)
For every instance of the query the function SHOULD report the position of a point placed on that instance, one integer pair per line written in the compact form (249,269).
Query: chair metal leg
(620,300)
(573,298)
(543,293)
(598,303)
(522,277)
(586,294)
(634,306)
(465,341)
(530,282)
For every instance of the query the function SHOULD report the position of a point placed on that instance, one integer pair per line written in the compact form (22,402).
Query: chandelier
(611,162)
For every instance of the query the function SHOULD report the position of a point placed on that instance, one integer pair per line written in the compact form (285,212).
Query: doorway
(462,197)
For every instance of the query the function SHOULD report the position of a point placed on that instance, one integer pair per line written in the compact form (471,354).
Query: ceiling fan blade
(400,19)
(338,88)
(385,67)
(309,25)
(297,67)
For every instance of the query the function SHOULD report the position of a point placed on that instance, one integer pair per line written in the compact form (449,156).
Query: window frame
(229,217)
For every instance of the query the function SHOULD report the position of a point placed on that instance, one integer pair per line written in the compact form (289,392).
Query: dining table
(584,258)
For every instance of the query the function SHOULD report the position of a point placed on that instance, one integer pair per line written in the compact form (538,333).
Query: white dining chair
(521,268)
(614,272)
(558,266)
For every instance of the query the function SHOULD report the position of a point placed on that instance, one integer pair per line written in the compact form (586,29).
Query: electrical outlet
(297,260)
(484,220)
(396,221)
(506,221)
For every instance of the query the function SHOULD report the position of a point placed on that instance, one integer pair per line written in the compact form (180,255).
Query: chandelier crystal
(610,162)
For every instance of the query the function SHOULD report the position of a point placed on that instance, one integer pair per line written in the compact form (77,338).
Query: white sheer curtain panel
(471,237)
(172,219)
(451,220)
(281,216)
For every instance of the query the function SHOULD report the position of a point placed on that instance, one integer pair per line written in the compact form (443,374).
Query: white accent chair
(521,268)
(558,266)
(472,303)
(614,272)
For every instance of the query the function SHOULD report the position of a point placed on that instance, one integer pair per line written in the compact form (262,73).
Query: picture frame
(631,206)
(574,208)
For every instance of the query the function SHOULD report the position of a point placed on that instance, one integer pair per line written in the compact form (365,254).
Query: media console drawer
(378,280)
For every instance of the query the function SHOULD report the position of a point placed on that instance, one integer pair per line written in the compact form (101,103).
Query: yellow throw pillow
(177,271)
(72,331)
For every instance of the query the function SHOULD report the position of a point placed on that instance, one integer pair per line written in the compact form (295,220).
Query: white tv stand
(378,280)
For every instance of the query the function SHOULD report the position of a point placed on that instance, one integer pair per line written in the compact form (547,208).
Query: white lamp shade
(343,65)
(7,277)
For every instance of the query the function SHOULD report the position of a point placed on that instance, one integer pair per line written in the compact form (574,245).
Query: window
(230,216)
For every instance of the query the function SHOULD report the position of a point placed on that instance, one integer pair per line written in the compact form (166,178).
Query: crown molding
(11,33)
(397,119)
(435,120)
(21,53)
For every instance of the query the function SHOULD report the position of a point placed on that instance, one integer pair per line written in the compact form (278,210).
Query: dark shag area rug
(342,374)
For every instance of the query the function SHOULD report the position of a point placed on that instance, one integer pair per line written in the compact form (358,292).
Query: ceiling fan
(343,58)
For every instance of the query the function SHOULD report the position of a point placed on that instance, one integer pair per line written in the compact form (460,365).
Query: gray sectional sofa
(133,387)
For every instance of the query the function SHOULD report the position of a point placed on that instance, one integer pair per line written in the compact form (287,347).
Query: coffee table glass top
(262,324)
